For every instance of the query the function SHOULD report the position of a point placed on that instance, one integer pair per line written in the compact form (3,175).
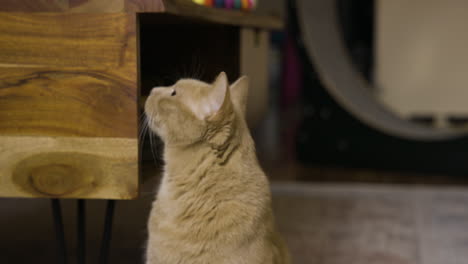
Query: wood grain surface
(65,167)
(83,6)
(68,105)
(68,75)
(59,39)
(145,6)
(89,6)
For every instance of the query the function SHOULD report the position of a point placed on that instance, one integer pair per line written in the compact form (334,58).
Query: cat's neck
(195,154)
(173,155)
(184,159)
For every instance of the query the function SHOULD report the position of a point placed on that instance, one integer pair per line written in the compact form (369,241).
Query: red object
(250,4)
(209,2)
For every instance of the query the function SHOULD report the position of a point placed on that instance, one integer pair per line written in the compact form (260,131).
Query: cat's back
(223,208)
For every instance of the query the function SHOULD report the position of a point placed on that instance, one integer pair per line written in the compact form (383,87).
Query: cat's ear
(239,92)
(218,99)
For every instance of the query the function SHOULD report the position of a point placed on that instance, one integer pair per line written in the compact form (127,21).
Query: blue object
(219,3)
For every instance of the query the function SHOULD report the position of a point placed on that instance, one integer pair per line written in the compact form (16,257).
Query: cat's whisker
(143,126)
(198,70)
(143,137)
(143,118)
(142,121)
(143,131)
(151,135)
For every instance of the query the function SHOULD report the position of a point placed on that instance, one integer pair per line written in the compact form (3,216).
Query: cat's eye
(173,93)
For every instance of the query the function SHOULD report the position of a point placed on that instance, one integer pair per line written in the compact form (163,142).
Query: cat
(214,203)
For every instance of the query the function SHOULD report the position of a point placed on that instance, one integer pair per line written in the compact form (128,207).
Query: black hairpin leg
(106,237)
(59,233)
(81,230)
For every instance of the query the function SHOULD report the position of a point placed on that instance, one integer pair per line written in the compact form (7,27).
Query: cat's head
(194,111)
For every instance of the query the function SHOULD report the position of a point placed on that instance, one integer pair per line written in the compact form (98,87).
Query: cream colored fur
(214,202)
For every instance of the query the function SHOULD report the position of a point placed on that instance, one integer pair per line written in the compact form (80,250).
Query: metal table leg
(59,233)
(81,231)
(107,234)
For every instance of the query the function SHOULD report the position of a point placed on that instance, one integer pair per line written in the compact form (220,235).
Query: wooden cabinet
(72,74)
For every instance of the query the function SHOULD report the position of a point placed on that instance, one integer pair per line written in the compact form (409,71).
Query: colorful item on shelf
(219,3)
(237,4)
(245,4)
(229,4)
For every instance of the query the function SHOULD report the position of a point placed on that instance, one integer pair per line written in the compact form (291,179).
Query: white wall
(422,55)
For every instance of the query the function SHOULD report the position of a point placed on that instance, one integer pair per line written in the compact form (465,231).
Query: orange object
(209,2)
(245,4)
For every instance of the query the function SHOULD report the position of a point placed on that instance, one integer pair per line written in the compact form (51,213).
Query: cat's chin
(158,132)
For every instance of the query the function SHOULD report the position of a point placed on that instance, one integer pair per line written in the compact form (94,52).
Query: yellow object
(200,2)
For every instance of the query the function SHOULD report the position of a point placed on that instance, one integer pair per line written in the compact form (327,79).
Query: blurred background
(376,87)
(359,92)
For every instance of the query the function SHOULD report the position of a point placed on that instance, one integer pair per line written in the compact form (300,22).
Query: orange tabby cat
(213,205)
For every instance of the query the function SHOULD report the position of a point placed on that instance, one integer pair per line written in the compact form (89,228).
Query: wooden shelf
(247,19)
(177,7)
